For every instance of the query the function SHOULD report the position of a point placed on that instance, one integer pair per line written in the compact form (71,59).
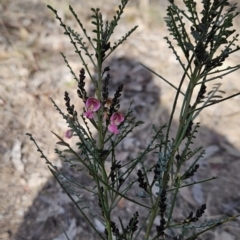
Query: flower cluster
(142,184)
(110,106)
(162,208)
(133,223)
(92,105)
(198,214)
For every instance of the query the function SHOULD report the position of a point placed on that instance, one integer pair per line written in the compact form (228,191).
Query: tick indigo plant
(206,39)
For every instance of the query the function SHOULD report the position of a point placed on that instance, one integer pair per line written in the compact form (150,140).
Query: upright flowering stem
(99,85)
(104,199)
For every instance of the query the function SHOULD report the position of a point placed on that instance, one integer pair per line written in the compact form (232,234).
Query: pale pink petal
(92,104)
(113,128)
(88,114)
(69,133)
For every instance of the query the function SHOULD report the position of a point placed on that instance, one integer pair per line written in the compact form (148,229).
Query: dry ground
(32,70)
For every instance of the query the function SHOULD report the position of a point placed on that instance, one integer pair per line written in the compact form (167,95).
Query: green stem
(215,225)
(173,202)
(152,217)
(168,129)
(99,85)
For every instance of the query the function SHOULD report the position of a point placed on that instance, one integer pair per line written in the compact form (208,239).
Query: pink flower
(69,133)
(113,128)
(116,119)
(92,105)
(88,114)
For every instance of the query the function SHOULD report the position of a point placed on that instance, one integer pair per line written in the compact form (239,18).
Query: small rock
(16,156)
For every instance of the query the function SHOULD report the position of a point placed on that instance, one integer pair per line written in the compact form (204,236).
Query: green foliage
(205,41)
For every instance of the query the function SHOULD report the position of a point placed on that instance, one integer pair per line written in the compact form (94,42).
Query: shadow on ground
(51,210)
